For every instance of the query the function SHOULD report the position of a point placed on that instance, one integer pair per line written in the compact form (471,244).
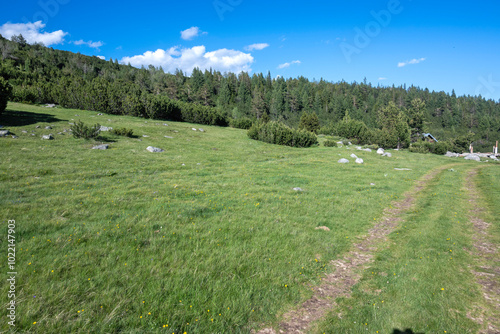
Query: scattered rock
(154,149)
(99,114)
(340,143)
(387,154)
(372,184)
(33,134)
(359,161)
(201,130)
(402,169)
(451,155)
(101,147)
(494,157)
(15,137)
(24,131)
(4,133)
(60,133)
(105,128)
(169,137)
(193,129)
(354,156)
(380,151)
(50,105)
(145,136)
(343,161)
(474,157)
(324,228)
(48,127)
(349,143)
(298,189)
(47,137)
(175,131)
(77,115)
(183,165)
(165,124)
(38,126)
(198,164)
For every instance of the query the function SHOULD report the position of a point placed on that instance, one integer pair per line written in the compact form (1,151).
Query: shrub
(80,130)
(330,143)
(420,147)
(5,94)
(280,134)
(123,132)
(309,122)
(241,123)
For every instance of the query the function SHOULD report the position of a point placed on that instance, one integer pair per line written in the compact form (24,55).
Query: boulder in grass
(380,151)
(4,133)
(359,161)
(387,154)
(451,155)
(354,156)
(47,137)
(48,127)
(169,137)
(105,128)
(193,129)
(201,130)
(298,189)
(101,147)
(154,149)
(474,157)
(343,161)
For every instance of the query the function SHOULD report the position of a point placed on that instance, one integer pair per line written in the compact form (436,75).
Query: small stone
(349,143)
(15,137)
(183,165)
(175,131)
(38,126)
(343,161)
(193,129)
(354,156)
(372,184)
(145,136)
(154,149)
(60,133)
(359,161)
(198,164)
(24,131)
(324,228)
(165,124)
(99,114)
(169,137)
(33,134)
(380,151)
(201,130)
(298,189)
(4,133)
(48,127)
(68,123)
(50,105)
(387,154)
(105,128)
(101,147)
(402,169)
(77,115)
(47,137)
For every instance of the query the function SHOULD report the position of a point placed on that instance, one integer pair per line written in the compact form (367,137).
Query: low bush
(242,123)
(123,132)
(5,93)
(80,130)
(280,134)
(330,143)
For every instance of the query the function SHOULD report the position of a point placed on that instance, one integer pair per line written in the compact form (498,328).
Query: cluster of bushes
(330,143)
(280,134)
(436,148)
(81,130)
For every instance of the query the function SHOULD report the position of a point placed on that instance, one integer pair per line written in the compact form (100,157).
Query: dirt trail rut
(349,268)
(488,276)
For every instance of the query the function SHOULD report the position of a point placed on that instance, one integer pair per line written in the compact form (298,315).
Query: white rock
(105,128)
(154,149)
(359,161)
(354,156)
(298,189)
(387,154)
(169,137)
(47,137)
(101,147)
(380,151)
(474,157)
(193,129)
(343,161)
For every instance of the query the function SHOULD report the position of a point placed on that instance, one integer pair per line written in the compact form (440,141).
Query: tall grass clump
(81,130)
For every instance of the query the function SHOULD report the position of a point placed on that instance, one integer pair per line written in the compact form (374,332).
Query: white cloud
(285,65)
(90,44)
(381,79)
(257,46)
(411,62)
(101,57)
(191,33)
(33,33)
(223,60)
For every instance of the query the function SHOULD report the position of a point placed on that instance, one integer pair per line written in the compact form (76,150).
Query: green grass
(207,236)
(422,279)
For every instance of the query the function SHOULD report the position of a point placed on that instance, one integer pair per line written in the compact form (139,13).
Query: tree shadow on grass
(12,117)
(406,331)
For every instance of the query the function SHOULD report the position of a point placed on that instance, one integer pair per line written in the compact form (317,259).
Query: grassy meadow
(209,235)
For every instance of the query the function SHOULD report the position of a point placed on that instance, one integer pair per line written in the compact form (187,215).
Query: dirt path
(485,251)
(349,268)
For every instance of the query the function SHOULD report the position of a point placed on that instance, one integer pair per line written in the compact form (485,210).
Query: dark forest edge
(386,116)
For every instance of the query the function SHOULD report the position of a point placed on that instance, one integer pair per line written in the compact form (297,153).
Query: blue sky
(440,45)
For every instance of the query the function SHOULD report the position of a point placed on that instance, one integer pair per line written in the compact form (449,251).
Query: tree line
(39,74)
